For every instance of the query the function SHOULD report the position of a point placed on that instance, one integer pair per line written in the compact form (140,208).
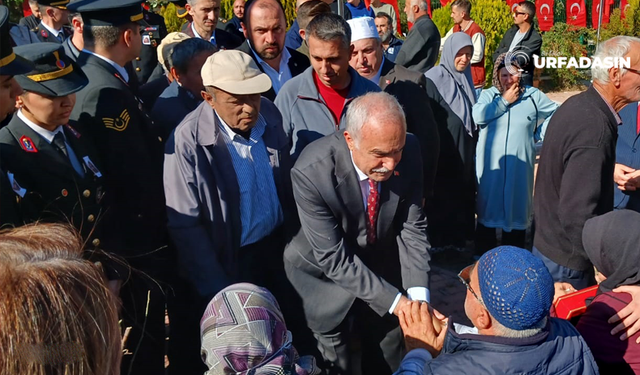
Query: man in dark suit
(577,163)
(205,15)
(627,170)
(108,113)
(421,48)
(522,40)
(407,86)
(265,29)
(55,20)
(363,240)
(234,25)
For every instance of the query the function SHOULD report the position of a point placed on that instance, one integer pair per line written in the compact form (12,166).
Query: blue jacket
(394,49)
(558,349)
(628,153)
(173,105)
(505,155)
(293,39)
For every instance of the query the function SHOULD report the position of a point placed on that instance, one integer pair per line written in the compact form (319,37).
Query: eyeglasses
(633,71)
(465,278)
(516,13)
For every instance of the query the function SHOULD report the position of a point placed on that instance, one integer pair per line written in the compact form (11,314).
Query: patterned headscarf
(243,333)
(499,64)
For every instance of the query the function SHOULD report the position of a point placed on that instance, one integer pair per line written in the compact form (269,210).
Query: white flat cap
(363,28)
(234,72)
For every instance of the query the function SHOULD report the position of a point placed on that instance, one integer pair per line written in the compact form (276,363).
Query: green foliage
(15,9)
(565,40)
(226,10)
(494,17)
(442,19)
(171,19)
(618,26)
(633,17)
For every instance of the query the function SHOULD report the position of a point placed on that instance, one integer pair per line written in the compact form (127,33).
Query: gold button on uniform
(138,69)
(96,242)
(91,218)
(138,58)
(86,193)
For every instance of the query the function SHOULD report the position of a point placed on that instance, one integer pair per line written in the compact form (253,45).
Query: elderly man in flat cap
(226,181)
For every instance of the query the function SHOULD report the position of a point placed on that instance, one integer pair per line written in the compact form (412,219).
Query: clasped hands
(422,325)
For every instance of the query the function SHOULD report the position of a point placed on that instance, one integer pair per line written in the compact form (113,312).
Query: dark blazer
(224,40)
(408,87)
(173,105)
(31,22)
(70,49)
(530,44)
(573,182)
(53,190)
(297,64)
(329,262)
(45,36)
(421,48)
(113,118)
(628,153)
(145,64)
(203,195)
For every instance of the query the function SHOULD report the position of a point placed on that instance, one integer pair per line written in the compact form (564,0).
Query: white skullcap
(363,28)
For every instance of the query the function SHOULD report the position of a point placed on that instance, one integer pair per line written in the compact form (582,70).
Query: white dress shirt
(213,35)
(120,69)
(280,77)
(51,30)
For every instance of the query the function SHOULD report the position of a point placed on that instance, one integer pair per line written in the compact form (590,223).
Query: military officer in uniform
(146,65)
(50,166)
(54,26)
(109,113)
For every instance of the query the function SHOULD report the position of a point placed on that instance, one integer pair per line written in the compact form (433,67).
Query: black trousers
(486,238)
(380,339)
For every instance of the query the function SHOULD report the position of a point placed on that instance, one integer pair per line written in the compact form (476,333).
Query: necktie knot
(58,141)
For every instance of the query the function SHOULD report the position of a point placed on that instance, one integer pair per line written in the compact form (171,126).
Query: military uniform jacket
(46,186)
(145,64)
(121,131)
(45,35)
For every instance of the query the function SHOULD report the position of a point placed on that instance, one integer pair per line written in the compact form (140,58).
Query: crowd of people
(279,194)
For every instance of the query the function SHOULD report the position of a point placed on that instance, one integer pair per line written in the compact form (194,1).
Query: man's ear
(302,33)
(189,9)
(615,76)
(350,141)
(128,37)
(483,319)
(208,98)
(50,12)
(175,74)
(244,29)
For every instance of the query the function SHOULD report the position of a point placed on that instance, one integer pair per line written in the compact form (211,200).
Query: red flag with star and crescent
(513,4)
(544,13)
(595,12)
(624,4)
(576,13)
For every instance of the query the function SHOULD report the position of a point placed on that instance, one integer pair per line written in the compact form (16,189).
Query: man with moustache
(265,29)
(390,43)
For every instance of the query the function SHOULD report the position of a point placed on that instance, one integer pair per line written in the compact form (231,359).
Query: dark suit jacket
(297,64)
(145,65)
(409,88)
(329,262)
(422,46)
(55,192)
(232,26)
(627,153)
(70,49)
(224,40)
(530,44)
(110,115)
(173,105)
(45,36)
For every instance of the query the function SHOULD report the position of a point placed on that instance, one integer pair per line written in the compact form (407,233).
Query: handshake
(423,326)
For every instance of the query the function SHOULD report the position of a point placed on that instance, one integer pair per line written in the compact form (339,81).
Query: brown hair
(57,315)
(310,9)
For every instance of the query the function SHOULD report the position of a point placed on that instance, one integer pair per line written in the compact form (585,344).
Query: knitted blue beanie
(515,286)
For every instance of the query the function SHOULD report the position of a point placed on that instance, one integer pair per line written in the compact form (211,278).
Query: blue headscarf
(455,87)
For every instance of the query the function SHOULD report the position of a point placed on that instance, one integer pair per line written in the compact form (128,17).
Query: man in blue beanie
(509,293)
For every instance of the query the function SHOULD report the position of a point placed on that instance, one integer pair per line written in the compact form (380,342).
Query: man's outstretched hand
(423,327)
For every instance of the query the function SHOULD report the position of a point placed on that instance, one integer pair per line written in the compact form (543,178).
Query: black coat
(53,190)
(409,88)
(422,46)
(145,64)
(298,63)
(530,45)
(232,26)
(224,40)
(113,118)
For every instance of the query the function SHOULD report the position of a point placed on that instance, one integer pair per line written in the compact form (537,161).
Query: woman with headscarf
(511,118)
(612,243)
(243,333)
(452,96)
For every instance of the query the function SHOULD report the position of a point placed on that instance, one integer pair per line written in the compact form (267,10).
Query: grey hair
(181,54)
(422,4)
(34,2)
(378,105)
(616,48)
(329,27)
(104,36)
(192,2)
(503,331)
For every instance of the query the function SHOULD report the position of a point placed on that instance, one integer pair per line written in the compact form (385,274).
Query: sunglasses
(516,13)
(465,278)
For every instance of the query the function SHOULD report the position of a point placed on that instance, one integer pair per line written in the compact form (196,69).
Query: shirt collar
(46,134)
(213,34)
(376,79)
(361,175)
(51,30)
(284,58)
(255,135)
(615,114)
(121,70)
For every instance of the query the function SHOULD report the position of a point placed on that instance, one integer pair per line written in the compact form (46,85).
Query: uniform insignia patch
(396,173)
(92,166)
(119,123)
(72,130)
(15,186)
(44,33)
(146,40)
(27,144)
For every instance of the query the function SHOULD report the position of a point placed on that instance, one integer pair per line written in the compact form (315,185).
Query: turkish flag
(595,12)
(444,2)
(577,13)
(513,4)
(624,4)
(544,12)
